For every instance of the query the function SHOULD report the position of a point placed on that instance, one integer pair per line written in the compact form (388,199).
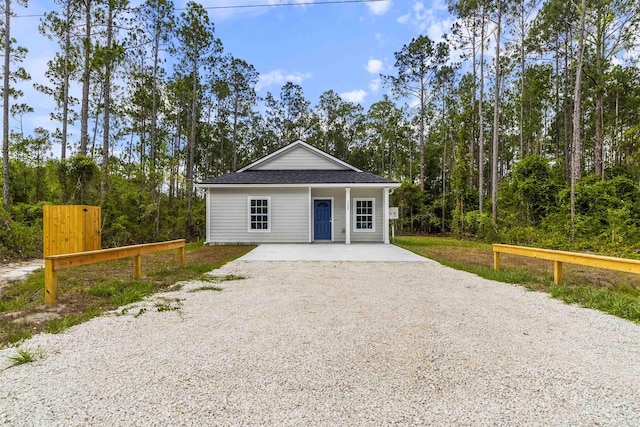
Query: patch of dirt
(13,272)
(38,317)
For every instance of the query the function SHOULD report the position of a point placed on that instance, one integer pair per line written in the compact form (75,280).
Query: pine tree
(416,64)
(12,54)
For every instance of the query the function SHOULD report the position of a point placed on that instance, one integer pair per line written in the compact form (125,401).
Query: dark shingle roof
(307,176)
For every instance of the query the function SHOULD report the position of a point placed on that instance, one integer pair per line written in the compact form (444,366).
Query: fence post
(557,272)
(181,255)
(137,267)
(496,260)
(50,283)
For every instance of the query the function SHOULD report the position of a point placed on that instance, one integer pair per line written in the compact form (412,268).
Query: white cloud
(379,7)
(374,86)
(433,21)
(378,36)
(404,18)
(279,77)
(439,28)
(439,5)
(374,66)
(354,95)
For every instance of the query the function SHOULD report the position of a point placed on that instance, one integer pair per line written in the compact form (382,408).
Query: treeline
(534,137)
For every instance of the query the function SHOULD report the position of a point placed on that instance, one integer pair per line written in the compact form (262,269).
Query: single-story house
(298,194)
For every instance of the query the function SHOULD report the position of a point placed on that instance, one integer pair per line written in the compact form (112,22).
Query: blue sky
(343,47)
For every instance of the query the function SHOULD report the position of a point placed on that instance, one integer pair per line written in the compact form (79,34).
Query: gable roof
(300,176)
(321,155)
(298,164)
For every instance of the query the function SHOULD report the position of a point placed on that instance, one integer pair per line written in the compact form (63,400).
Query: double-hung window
(364,215)
(259,214)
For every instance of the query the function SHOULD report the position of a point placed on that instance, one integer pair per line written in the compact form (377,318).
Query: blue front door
(322,219)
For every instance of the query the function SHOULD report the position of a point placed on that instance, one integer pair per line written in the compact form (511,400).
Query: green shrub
(480,226)
(17,239)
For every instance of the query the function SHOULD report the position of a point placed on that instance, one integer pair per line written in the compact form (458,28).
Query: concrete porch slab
(331,252)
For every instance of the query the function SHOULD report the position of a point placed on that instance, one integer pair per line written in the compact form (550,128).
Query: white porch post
(207,239)
(385,216)
(310,210)
(347,228)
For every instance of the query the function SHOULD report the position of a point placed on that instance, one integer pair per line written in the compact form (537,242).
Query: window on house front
(259,214)
(364,214)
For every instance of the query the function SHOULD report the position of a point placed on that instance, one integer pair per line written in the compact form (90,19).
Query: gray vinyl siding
(299,158)
(289,213)
(367,236)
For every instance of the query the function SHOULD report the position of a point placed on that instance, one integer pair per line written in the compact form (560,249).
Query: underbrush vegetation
(608,291)
(88,291)
(533,209)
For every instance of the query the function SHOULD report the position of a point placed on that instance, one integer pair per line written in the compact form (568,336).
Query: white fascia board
(293,145)
(342,185)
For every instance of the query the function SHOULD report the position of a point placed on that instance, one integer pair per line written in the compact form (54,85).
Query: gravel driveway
(335,343)
(18,271)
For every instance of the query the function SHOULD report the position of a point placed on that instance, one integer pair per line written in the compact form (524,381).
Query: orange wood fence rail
(54,263)
(559,257)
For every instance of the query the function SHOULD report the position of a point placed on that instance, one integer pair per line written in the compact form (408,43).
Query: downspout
(208,239)
(385,215)
(310,210)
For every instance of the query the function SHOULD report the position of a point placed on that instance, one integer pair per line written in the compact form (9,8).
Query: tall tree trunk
(481,119)
(142,126)
(108,63)
(616,149)
(65,83)
(496,123)
(444,158)
(557,103)
(234,158)
(5,103)
(191,146)
(598,160)
(567,118)
(421,136)
(598,147)
(472,143)
(154,105)
(96,119)
(174,161)
(576,149)
(523,150)
(86,75)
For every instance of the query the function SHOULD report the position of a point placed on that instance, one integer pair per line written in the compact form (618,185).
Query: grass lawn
(609,291)
(88,291)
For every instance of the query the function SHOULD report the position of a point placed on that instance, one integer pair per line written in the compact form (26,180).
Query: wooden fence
(71,228)
(54,263)
(560,257)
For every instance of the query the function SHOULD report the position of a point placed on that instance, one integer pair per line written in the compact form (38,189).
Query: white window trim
(269,207)
(355,214)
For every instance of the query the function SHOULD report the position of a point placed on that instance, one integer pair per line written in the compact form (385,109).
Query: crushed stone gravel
(334,343)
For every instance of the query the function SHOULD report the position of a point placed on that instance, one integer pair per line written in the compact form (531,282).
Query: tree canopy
(560,79)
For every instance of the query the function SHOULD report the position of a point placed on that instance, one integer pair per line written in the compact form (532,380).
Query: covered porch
(349,214)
